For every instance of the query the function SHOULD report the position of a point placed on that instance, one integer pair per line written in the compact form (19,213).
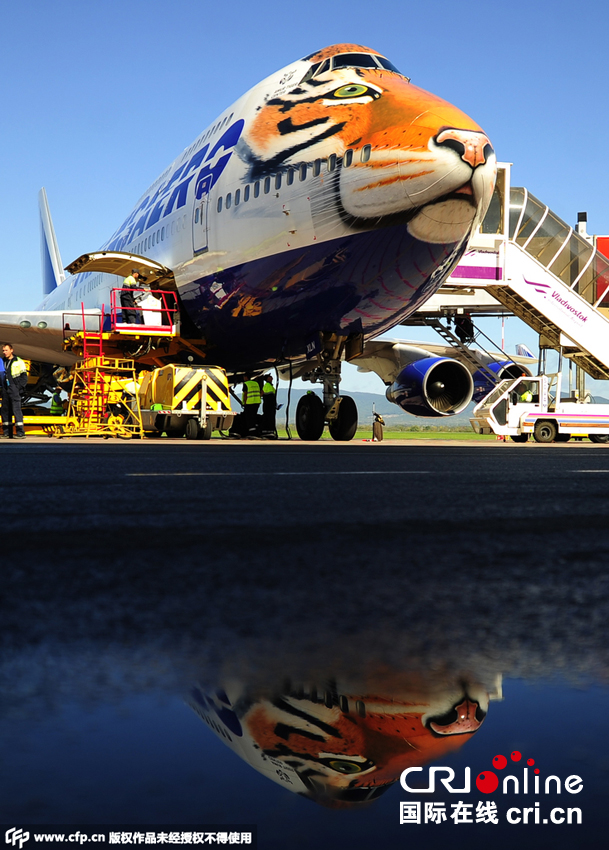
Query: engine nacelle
(503,369)
(433,386)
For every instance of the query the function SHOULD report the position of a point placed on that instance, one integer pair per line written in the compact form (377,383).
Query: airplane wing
(36,336)
(387,357)
(39,335)
(435,380)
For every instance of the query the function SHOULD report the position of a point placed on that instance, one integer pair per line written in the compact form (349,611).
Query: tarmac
(133,570)
(120,540)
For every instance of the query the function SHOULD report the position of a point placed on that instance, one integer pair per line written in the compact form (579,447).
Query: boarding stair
(543,271)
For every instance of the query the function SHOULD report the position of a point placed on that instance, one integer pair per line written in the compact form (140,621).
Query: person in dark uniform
(377,427)
(131,315)
(464,328)
(269,408)
(14,382)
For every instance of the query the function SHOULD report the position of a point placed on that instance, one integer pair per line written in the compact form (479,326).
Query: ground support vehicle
(171,397)
(524,406)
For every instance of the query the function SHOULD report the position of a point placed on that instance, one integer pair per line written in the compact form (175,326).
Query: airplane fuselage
(333,197)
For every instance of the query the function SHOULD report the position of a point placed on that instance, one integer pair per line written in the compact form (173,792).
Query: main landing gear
(340,412)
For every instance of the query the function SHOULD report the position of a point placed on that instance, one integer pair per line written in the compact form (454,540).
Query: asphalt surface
(493,556)
(131,571)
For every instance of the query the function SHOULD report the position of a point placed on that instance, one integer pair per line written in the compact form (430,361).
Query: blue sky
(98,98)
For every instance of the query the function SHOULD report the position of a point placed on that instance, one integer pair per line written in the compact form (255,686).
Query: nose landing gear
(310,417)
(340,412)
(343,428)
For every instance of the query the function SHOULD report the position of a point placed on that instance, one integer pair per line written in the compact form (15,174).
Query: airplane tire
(519,438)
(192,429)
(545,431)
(310,416)
(598,438)
(343,428)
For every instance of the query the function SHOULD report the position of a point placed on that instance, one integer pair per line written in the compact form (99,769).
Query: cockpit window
(310,72)
(387,65)
(353,60)
(315,70)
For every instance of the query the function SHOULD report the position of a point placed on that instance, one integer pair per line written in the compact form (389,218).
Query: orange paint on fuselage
(388,181)
(391,740)
(403,118)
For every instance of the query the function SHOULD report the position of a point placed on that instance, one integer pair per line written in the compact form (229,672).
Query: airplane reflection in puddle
(339,748)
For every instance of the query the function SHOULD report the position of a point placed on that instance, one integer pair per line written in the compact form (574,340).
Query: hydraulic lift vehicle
(523,406)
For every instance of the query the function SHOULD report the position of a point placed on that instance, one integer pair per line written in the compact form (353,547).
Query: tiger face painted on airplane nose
(428,164)
(401,153)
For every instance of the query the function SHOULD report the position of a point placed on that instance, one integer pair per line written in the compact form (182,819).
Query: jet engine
(503,369)
(432,386)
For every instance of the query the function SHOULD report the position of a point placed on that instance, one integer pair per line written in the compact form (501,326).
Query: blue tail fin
(52,268)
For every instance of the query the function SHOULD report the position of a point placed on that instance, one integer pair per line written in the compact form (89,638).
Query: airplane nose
(474,148)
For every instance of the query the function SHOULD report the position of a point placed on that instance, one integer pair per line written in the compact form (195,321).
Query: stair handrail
(592,304)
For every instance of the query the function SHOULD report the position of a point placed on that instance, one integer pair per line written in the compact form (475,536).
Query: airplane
(339,744)
(320,210)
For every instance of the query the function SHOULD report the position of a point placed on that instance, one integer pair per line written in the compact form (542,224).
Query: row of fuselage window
(290,176)
(159,235)
(268,183)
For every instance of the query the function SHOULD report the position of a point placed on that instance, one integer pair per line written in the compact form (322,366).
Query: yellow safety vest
(253,392)
(17,367)
(13,370)
(268,389)
(129,282)
(56,406)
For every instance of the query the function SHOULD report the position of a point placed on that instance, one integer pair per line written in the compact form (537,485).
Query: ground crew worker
(251,403)
(269,408)
(377,427)
(56,403)
(524,392)
(131,315)
(14,382)
(464,328)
